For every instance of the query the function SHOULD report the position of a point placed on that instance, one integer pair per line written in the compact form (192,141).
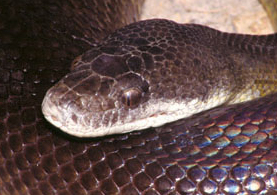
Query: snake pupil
(131,97)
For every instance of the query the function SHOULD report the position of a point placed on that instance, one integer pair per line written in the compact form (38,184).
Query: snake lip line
(176,111)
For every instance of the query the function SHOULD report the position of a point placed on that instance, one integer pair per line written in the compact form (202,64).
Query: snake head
(96,98)
(104,96)
(144,75)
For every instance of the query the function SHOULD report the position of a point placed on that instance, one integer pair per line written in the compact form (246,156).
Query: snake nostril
(74,118)
(54,118)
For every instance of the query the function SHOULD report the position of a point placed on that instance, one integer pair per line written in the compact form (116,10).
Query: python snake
(157,71)
(228,150)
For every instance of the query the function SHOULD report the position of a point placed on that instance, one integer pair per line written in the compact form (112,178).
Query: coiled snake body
(228,150)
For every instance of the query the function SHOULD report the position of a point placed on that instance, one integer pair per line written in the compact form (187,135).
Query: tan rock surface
(247,16)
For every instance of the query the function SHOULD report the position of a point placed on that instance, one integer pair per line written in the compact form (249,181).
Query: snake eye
(131,97)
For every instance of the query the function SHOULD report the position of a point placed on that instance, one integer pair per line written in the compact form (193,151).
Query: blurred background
(247,16)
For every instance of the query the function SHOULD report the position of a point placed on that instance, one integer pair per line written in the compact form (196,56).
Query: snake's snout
(78,114)
(51,111)
(61,104)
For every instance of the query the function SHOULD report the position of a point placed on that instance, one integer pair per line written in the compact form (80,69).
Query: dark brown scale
(159,58)
(89,85)
(135,63)
(36,158)
(116,65)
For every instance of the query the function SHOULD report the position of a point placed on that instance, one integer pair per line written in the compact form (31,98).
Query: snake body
(229,150)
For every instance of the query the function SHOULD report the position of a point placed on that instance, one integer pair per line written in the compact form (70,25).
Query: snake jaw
(154,113)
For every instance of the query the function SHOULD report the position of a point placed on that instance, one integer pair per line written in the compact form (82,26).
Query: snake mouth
(157,113)
(51,112)
(85,126)
(79,127)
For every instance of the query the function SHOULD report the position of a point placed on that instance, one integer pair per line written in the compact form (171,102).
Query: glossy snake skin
(224,151)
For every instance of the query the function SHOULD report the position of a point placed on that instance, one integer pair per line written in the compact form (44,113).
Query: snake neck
(255,70)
